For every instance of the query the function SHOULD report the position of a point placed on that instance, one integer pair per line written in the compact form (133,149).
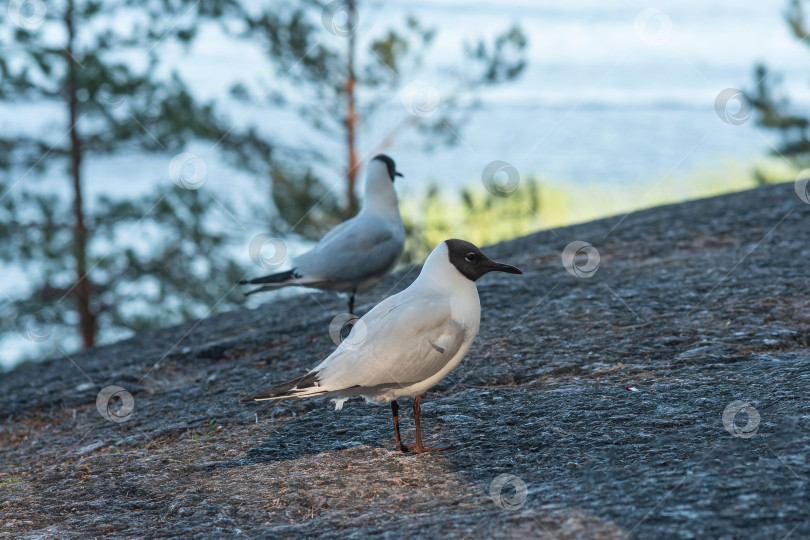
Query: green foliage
(209,430)
(302,202)
(483,218)
(155,260)
(113,265)
(475,215)
(10,482)
(775,110)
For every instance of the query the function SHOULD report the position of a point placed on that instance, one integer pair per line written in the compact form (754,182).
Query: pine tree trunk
(351,123)
(87,320)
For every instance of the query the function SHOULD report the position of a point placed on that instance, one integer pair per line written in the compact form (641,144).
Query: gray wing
(405,342)
(356,249)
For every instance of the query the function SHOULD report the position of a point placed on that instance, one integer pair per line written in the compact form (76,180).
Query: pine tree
(76,57)
(775,111)
(339,79)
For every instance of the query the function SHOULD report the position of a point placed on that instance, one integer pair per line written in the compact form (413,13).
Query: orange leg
(417,447)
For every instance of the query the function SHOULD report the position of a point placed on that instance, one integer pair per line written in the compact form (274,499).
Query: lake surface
(607,98)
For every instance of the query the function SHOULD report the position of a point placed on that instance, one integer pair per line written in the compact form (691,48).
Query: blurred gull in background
(354,256)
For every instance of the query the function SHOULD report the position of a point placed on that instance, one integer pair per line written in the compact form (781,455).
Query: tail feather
(305,386)
(281,277)
(273,281)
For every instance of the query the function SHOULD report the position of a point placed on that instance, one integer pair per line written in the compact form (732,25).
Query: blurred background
(145,144)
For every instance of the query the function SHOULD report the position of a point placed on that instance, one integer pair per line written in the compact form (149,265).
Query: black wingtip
(262,395)
(280,277)
(285,390)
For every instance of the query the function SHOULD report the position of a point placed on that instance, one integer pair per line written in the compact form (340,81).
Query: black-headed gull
(408,342)
(354,256)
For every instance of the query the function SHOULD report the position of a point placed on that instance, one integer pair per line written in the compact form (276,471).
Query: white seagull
(354,256)
(408,342)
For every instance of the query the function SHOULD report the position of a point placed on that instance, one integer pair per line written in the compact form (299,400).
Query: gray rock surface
(602,397)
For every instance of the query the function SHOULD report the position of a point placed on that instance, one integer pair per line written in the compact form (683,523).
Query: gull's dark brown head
(471,261)
(392,167)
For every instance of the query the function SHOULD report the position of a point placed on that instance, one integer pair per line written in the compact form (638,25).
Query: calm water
(605,99)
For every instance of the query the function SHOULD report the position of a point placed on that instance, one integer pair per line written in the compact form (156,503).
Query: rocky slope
(601,399)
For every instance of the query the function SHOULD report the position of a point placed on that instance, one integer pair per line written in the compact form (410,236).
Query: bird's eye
(470,257)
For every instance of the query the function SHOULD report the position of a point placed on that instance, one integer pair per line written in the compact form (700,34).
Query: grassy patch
(209,430)
(10,482)
(484,218)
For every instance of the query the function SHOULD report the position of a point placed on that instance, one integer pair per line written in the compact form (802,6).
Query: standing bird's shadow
(322,430)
